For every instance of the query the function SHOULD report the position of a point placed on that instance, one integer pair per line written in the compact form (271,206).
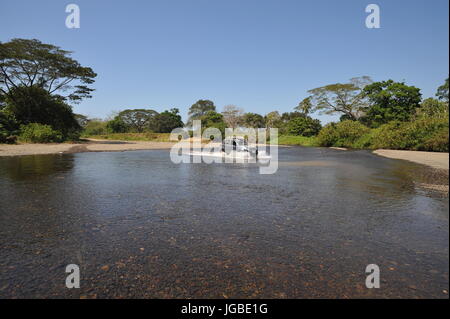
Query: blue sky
(258,54)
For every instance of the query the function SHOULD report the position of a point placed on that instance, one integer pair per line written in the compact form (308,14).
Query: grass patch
(296,140)
(154,137)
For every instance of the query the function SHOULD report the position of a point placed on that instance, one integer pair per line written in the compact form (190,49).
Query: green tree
(287,116)
(442,92)
(341,98)
(390,101)
(166,121)
(199,109)
(253,120)
(214,120)
(137,119)
(304,126)
(305,106)
(272,119)
(31,63)
(35,105)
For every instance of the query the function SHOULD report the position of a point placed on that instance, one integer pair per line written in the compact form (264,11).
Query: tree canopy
(390,101)
(213,119)
(272,119)
(344,98)
(35,105)
(199,109)
(137,119)
(305,106)
(31,63)
(166,121)
(304,126)
(253,120)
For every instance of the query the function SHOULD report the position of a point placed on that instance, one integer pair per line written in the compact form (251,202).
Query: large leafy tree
(30,63)
(272,119)
(166,121)
(287,116)
(303,125)
(35,105)
(212,119)
(340,98)
(390,101)
(137,119)
(253,120)
(199,109)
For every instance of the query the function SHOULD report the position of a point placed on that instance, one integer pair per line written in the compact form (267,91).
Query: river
(140,226)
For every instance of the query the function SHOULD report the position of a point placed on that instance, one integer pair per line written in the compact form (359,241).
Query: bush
(35,105)
(304,126)
(437,143)
(116,125)
(423,134)
(342,134)
(39,133)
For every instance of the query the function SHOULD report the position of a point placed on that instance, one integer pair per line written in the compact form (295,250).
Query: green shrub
(39,133)
(72,135)
(423,134)
(116,125)
(365,141)
(437,143)
(342,134)
(327,135)
(304,126)
(35,105)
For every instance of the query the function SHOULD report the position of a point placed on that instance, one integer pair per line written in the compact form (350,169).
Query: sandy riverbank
(432,159)
(89,145)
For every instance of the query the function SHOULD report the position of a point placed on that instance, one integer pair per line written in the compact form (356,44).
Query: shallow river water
(140,226)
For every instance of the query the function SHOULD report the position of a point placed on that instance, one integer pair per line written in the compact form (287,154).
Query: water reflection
(33,167)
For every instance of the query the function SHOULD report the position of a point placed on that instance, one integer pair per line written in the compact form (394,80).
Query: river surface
(141,226)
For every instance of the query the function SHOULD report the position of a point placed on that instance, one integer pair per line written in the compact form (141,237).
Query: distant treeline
(39,82)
